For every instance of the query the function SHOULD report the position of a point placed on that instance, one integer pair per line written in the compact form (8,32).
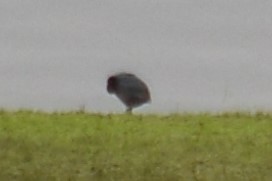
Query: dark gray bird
(132,91)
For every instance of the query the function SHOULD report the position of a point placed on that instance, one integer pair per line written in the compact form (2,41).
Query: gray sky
(207,55)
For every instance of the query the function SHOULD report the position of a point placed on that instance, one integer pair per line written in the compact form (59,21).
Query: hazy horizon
(194,55)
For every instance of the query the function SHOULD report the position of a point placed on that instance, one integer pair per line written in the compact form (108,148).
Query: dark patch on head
(111,85)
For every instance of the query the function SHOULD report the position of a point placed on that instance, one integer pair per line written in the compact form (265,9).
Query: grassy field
(81,146)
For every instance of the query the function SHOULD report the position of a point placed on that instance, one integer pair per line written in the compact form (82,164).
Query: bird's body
(132,91)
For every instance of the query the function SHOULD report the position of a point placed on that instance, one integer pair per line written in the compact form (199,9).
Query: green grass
(81,146)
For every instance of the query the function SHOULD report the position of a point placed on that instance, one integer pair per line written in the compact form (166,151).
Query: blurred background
(208,55)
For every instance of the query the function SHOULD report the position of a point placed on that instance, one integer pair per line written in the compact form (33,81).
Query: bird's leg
(129,110)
